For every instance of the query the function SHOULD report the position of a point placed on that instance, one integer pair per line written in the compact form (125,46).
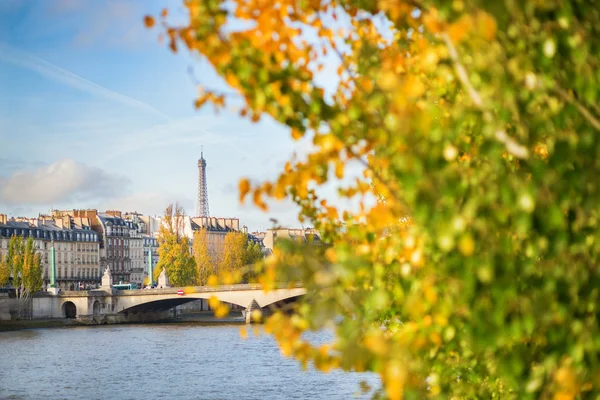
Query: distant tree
(4,271)
(23,264)
(239,253)
(253,253)
(204,263)
(174,249)
(234,255)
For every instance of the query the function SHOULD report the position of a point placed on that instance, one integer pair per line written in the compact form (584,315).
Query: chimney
(91,214)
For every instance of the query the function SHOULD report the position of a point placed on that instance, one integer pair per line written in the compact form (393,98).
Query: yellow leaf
(200,101)
(148,21)
(227,278)
(286,348)
(387,80)
(339,170)
(213,302)
(460,29)
(486,25)
(413,87)
(431,21)
(256,315)
(244,188)
(221,311)
(375,342)
(564,396)
(331,255)
(466,245)
(393,379)
(212,281)
(297,134)
(258,201)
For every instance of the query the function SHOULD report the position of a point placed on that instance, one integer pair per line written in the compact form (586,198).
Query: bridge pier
(254,306)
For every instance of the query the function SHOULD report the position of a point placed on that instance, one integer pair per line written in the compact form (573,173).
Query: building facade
(76,244)
(150,244)
(116,234)
(136,252)
(144,231)
(304,235)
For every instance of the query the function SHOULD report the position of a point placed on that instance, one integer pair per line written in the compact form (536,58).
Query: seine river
(161,361)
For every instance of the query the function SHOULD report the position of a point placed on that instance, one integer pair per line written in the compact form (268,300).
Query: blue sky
(94,112)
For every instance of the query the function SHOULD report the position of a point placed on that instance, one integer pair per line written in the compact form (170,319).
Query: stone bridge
(110,305)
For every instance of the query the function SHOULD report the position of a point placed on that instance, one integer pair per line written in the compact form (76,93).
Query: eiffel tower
(202,201)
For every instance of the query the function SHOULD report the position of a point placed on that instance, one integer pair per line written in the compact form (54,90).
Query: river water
(166,361)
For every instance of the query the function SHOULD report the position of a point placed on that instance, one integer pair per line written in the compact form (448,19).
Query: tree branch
(512,146)
(587,114)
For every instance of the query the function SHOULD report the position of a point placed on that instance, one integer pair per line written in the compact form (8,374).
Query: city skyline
(96,113)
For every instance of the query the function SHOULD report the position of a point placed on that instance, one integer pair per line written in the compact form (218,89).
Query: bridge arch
(69,310)
(161,301)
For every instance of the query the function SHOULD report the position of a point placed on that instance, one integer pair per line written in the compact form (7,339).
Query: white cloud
(63,181)
(56,73)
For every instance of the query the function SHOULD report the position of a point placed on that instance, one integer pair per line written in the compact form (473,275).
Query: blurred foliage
(479,120)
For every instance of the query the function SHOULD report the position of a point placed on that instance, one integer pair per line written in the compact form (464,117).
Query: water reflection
(187,361)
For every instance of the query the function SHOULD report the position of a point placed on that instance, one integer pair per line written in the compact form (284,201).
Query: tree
(253,267)
(4,271)
(23,264)
(469,135)
(174,249)
(238,256)
(234,255)
(205,266)
(253,252)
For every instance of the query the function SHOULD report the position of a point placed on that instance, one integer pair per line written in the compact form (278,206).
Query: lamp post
(150,272)
(52,286)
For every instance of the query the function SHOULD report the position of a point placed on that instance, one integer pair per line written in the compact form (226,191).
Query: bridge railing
(201,289)
(169,290)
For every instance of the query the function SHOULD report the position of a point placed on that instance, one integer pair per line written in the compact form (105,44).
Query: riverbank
(200,318)
(37,324)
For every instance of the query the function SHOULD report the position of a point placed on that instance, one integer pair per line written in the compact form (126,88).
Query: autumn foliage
(230,261)
(479,121)
(22,266)
(174,249)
